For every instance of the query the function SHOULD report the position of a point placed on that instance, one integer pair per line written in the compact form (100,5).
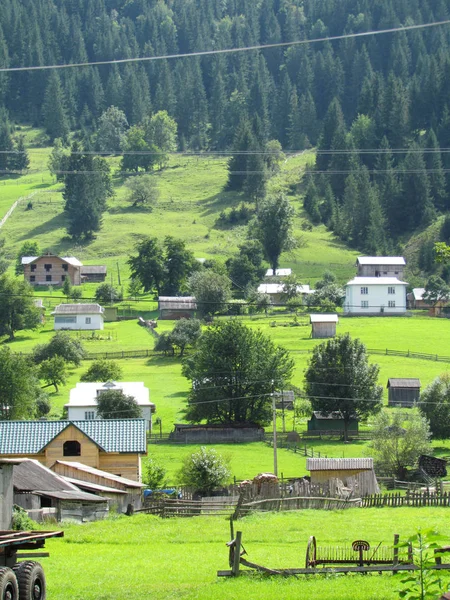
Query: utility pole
(274,409)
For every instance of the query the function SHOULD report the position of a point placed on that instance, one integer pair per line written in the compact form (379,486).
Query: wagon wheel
(361,546)
(9,590)
(311,551)
(31,580)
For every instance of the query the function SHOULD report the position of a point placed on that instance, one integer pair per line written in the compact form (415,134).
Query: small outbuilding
(172,308)
(93,273)
(78,316)
(332,422)
(356,473)
(216,434)
(323,326)
(404,392)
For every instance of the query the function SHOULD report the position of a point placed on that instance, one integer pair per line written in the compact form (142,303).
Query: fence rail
(409,499)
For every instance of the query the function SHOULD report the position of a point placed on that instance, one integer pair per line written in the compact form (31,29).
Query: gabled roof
(93,270)
(30,476)
(376,281)
(407,382)
(78,309)
(318,318)
(418,293)
(277,288)
(110,435)
(279,272)
(26,260)
(331,416)
(337,464)
(394,261)
(81,470)
(86,393)
(177,302)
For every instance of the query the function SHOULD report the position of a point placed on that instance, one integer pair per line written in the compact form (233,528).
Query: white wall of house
(93,321)
(89,412)
(364,297)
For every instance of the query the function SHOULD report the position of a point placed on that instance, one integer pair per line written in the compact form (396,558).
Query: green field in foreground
(146,557)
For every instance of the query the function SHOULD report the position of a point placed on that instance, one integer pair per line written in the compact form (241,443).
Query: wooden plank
(226,573)
(237,553)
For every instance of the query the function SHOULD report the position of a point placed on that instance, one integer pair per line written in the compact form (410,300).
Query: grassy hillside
(179,558)
(192,197)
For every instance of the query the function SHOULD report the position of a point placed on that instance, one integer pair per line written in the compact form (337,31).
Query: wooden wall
(57,271)
(324,476)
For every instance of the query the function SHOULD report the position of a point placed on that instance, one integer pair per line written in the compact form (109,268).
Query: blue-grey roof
(115,435)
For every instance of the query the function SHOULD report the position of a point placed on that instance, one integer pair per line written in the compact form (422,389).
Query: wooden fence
(411,498)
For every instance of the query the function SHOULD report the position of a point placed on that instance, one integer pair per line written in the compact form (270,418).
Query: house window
(391,303)
(72,448)
(63,277)
(384,272)
(33,268)
(65,268)
(32,278)
(364,291)
(89,415)
(364,304)
(391,290)
(87,320)
(48,267)
(396,272)
(48,278)
(65,319)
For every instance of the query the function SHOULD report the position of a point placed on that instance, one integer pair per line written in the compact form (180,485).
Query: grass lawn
(147,557)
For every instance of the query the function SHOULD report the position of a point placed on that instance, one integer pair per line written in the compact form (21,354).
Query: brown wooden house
(115,445)
(51,269)
(176,307)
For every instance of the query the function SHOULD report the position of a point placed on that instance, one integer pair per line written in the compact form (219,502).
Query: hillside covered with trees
(376,107)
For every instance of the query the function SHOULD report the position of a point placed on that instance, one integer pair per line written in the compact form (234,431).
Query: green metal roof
(115,435)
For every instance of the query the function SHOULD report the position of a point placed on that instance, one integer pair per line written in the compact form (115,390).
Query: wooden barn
(404,392)
(332,422)
(210,434)
(323,326)
(355,473)
(114,445)
(173,308)
(43,493)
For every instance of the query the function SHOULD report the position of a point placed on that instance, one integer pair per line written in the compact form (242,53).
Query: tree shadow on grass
(219,201)
(52,224)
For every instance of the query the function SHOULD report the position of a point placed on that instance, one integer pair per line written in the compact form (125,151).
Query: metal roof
(407,382)
(75,495)
(177,302)
(86,393)
(111,435)
(317,318)
(279,272)
(418,293)
(376,281)
(76,466)
(330,416)
(26,260)
(338,464)
(78,309)
(93,486)
(278,288)
(93,269)
(381,260)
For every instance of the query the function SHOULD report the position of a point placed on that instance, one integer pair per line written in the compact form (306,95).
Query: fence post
(237,554)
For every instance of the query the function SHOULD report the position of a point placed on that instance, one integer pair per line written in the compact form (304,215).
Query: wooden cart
(24,580)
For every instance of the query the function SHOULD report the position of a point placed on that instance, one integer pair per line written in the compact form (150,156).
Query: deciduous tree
(339,378)
(17,309)
(19,386)
(63,345)
(114,404)
(211,290)
(103,370)
(233,371)
(434,404)
(205,470)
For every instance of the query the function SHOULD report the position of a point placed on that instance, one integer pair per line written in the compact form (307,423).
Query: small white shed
(78,316)
(323,326)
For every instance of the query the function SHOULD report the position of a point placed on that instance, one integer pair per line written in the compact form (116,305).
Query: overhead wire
(219,51)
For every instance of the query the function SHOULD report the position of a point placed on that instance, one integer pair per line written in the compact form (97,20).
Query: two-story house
(51,269)
(375,295)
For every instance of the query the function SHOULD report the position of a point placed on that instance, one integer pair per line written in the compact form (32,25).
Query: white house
(275,291)
(380,266)
(279,272)
(78,316)
(375,295)
(82,405)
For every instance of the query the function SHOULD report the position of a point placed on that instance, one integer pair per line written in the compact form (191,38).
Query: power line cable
(404,28)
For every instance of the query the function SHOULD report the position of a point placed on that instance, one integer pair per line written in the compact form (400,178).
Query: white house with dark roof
(375,296)
(380,266)
(78,316)
(276,290)
(83,398)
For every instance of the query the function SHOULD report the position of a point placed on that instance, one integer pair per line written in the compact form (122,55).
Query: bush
(61,344)
(153,474)
(21,521)
(106,293)
(205,470)
(103,370)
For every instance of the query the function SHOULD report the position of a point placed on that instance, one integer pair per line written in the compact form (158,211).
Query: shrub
(205,470)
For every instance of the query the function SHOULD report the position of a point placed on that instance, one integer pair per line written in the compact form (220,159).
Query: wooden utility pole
(274,409)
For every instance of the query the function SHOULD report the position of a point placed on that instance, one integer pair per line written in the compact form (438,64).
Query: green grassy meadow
(148,557)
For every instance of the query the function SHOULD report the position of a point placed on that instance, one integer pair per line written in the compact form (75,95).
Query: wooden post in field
(237,554)
(396,539)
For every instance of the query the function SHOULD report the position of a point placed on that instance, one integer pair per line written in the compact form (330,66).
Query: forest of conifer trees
(377,108)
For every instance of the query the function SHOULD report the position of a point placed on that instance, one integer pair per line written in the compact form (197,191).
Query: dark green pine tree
(308,117)
(218,106)
(237,165)
(281,120)
(342,162)
(311,201)
(334,121)
(19,160)
(86,189)
(256,176)
(433,162)
(6,142)
(397,118)
(388,184)
(416,207)
(54,109)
